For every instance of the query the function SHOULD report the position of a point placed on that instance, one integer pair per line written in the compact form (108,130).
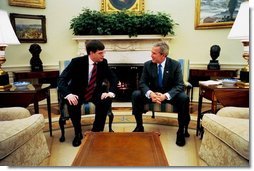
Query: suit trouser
(180,101)
(101,109)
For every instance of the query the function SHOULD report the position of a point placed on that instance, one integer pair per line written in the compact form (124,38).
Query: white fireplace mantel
(122,48)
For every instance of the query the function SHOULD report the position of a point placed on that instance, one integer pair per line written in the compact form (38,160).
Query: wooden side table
(203,74)
(227,96)
(47,76)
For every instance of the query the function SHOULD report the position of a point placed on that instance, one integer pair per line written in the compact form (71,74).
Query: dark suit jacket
(172,78)
(74,78)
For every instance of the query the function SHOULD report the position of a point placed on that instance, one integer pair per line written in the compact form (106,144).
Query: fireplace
(128,79)
(126,56)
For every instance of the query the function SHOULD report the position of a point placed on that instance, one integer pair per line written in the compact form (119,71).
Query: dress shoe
(77,140)
(180,139)
(139,129)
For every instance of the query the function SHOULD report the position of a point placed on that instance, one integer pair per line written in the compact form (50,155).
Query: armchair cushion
(234,112)
(164,107)
(233,131)
(12,113)
(22,142)
(16,132)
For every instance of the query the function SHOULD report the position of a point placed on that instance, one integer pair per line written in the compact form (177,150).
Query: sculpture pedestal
(213,65)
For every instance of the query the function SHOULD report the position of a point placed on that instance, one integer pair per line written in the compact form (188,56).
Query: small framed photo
(28,3)
(29,28)
(215,15)
(118,5)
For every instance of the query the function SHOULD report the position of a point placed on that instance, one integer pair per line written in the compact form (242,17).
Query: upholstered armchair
(22,142)
(226,137)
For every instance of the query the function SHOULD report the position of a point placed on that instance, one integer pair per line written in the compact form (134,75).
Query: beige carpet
(62,154)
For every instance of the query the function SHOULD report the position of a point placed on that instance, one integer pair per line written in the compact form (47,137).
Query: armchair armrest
(11,113)
(187,85)
(234,112)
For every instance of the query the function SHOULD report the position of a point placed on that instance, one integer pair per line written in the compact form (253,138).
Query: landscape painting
(216,13)
(29,28)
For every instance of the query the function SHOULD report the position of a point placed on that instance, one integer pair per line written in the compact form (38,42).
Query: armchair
(22,142)
(226,137)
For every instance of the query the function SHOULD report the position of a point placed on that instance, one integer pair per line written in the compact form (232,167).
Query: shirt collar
(90,61)
(162,64)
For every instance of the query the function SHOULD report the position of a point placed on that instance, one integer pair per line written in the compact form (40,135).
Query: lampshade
(7,37)
(7,34)
(240,29)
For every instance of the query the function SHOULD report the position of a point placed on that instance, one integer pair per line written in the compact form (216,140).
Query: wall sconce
(240,30)
(7,37)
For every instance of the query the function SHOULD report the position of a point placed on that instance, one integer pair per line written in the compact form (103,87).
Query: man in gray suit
(165,86)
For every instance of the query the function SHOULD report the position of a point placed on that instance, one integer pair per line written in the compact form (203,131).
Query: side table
(226,96)
(47,76)
(203,74)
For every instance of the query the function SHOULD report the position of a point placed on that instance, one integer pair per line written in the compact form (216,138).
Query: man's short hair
(94,45)
(164,48)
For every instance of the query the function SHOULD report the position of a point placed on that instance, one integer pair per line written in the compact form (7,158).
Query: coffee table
(121,149)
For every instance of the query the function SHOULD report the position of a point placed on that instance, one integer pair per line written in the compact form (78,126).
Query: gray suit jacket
(172,78)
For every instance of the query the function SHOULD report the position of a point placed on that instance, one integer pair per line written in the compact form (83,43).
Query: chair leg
(153,115)
(186,133)
(191,94)
(111,118)
(62,122)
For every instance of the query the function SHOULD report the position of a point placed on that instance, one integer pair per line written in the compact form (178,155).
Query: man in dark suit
(165,86)
(84,76)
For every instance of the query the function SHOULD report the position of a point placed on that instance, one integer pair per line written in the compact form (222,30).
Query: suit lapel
(154,72)
(166,72)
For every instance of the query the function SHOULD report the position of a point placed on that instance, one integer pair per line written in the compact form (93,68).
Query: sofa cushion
(225,129)
(17,132)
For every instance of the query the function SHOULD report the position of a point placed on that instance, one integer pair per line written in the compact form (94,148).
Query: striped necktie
(91,86)
(160,76)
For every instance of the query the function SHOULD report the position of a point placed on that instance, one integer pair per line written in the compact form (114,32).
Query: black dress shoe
(77,140)
(180,139)
(139,129)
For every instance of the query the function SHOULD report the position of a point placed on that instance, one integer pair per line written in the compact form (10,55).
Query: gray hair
(164,48)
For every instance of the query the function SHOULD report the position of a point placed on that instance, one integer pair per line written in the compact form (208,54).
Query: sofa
(226,137)
(22,142)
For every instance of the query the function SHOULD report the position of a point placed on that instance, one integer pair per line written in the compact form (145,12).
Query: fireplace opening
(128,79)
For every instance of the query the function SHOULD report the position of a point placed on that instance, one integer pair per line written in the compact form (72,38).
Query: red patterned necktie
(91,85)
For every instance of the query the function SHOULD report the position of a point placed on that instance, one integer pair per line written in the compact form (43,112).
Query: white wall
(188,42)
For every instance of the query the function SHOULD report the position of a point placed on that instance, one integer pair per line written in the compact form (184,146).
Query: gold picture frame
(215,16)
(28,3)
(118,5)
(29,28)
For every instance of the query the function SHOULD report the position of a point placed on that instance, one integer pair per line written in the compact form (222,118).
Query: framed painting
(216,14)
(118,5)
(29,28)
(28,3)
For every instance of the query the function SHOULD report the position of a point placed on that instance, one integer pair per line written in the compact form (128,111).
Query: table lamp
(7,37)
(240,30)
